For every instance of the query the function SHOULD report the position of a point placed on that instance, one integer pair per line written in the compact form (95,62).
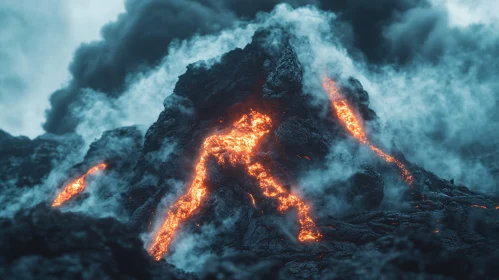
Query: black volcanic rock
(119,149)
(26,163)
(298,136)
(269,79)
(266,76)
(42,243)
(240,266)
(431,230)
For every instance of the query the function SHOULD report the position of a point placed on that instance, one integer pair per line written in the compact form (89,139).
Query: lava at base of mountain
(431,229)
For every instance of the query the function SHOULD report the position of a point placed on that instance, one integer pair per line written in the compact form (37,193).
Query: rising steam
(352,123)
(235,147)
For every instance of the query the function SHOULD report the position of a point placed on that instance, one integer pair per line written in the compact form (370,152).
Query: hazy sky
(37,41)
(430,66)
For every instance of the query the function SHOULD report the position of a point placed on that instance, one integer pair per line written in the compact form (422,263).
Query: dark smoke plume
(140,37)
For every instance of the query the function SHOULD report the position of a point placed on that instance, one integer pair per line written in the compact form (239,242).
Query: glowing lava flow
(235,147)
(286,200)
(252,200)
(352,123)
(76,187)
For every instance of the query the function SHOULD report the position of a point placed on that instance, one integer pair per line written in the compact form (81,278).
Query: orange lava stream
(76,187)
(235,147)
(479,206)
(252,200)
(352,123)
(286,200)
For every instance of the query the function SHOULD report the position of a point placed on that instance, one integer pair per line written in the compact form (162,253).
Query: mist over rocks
(44,243)
(118,148)
(299,131)
(368,233)
(108,195)
(407,53)
(26,163)
(129,47)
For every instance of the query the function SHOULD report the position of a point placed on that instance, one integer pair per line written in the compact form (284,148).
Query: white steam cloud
(431,112)
(37,41)
(143,101)
(415,103)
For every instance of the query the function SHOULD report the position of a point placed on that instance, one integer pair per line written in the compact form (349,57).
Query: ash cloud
(142,36)
(432,85)
(138,40)
(441,107)
(434,105)
(428,90)
(144,99)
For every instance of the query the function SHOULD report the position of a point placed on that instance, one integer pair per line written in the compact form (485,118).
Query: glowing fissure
(76,187)
(353,125)
(235,147)
(252,200)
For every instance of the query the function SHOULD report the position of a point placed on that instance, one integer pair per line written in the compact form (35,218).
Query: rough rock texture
(26,162)
(434,229)
(119,149)
(42,243)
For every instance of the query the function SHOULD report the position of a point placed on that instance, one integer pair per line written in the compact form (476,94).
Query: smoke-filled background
(72,70)
(429,66)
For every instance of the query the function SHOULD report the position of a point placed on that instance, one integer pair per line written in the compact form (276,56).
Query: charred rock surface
(26,163)
(434,225)
(42,243)
(434,229)
(119,149)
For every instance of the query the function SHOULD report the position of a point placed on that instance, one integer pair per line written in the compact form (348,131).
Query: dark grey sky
(37,42)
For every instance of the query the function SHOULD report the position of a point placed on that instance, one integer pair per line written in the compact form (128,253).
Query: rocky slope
(433,229)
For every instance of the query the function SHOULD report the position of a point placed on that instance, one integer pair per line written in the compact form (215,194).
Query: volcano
(217,180)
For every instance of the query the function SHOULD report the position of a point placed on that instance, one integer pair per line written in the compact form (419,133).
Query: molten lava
(235,147)
(252,200)
(76,187)
(352,123)
(271,188)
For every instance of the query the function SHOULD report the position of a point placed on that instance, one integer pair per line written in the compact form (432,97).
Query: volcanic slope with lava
(237,222)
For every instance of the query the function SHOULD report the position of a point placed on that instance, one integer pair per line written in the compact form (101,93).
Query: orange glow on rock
(353,125)
(479,206)
(286,200)
(76,187)
(252,200)
(235,147)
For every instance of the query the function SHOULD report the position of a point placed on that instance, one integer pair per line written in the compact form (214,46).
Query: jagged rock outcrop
(119,149)
(433,229)
(43,243)
(26,163)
